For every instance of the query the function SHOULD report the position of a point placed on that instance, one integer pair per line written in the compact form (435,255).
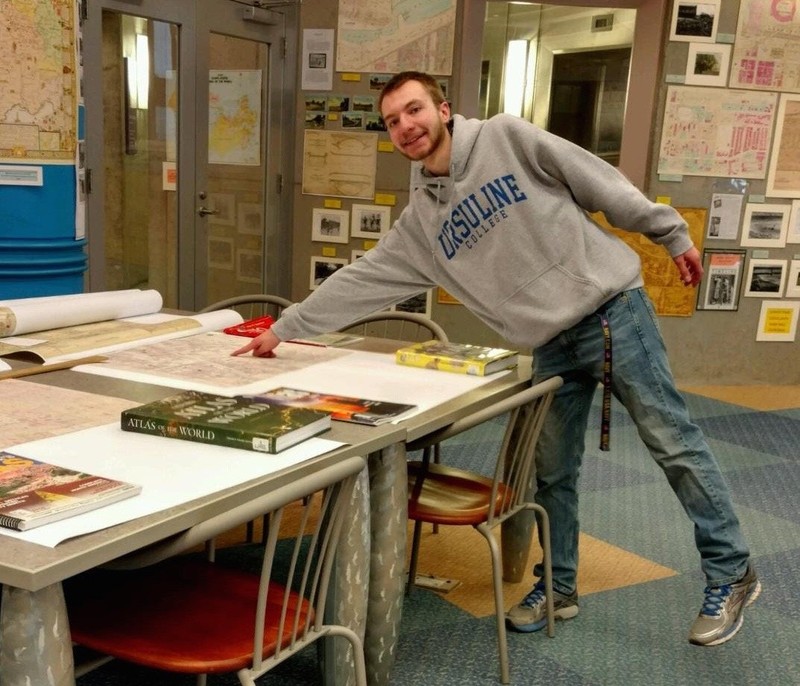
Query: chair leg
(499,603)
(437,459)
(412,564)
(544,527)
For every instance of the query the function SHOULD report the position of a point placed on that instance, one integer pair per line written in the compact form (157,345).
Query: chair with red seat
(186,614)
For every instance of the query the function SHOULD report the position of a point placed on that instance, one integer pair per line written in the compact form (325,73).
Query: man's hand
(690,265)
(261,345)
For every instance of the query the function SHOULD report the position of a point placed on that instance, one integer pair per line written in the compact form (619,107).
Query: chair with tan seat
(183,613)
(445,495)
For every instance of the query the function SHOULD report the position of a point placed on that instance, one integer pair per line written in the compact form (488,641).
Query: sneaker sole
(751,598)
(562,613)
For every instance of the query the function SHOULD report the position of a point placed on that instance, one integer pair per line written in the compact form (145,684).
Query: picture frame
(355,254)
(765,225)
(322,268)
(248,265)
(708,64)
(783,173)
(250,218)
(220,252)
(778,321)
(370,221)
(722,279)
(793,234)
(223,206)
(329,226)
(765,278)
(793,280)
(695,21)
(422,303)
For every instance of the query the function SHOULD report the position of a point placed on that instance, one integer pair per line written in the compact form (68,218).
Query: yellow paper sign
(327,251)
(385,199)
(332,203)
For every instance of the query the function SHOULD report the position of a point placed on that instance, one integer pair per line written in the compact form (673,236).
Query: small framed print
(722,280)
(793,280)
(420,304)
(707,64)
(250,218)
(765,226)
(695,21)
(355,254)
(248,266)
(778,321)
(765,278)
(220,252)
(793,234)
(370,221)
(322,268)
(329,226)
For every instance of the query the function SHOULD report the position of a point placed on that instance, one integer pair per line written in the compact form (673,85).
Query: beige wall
(708,347)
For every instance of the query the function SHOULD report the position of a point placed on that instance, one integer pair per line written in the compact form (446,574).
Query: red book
(252,327)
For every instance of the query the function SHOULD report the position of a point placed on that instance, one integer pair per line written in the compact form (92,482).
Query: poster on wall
(234,116)
(724,135)
(778,321)
(783,179)
(766,52)
(389,37)
(317,65)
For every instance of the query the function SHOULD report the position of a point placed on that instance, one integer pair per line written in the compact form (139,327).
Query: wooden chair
(182,613)
(446,495)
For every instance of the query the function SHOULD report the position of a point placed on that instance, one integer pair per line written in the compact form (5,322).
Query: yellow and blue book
(461,358)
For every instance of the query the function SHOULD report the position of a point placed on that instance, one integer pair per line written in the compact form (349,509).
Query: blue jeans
(643,383)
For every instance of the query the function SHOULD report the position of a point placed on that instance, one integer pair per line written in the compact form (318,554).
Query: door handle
(204,211)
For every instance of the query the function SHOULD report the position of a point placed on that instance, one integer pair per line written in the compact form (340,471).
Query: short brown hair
(428,82)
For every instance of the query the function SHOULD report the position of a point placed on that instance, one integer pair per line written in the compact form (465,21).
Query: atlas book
(461,358)
(236,422)
(340,407)
(34,493)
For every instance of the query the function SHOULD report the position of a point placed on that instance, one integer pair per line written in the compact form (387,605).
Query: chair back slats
(401,326)
(252,305)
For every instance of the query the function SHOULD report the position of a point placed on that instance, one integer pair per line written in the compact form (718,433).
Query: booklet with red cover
(252,327)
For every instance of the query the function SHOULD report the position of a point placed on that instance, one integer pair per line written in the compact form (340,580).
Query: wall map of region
(38,81)
(661,279)
(390,36)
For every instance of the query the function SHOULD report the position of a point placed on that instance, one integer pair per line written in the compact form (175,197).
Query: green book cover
(236,422)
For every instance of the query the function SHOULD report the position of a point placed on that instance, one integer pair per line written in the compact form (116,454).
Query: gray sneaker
(531,614)
(722,613)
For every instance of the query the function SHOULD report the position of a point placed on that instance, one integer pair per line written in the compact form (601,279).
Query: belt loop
(605,418)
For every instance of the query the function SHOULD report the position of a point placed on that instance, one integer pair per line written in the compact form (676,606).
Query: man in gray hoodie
(501,221)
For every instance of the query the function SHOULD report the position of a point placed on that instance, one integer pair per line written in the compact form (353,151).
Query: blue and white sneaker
(722,613)
(531,614)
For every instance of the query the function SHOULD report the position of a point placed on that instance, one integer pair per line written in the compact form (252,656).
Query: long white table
(34,634)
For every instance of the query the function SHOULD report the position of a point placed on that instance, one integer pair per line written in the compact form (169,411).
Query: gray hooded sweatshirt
(507,233)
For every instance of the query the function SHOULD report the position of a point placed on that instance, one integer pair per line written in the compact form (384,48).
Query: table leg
(35,645)
(388,514)
(347,597)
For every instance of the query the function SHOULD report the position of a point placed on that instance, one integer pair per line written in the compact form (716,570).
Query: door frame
(195,20)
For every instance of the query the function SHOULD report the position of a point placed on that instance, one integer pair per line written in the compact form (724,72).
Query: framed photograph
(250,218)
(778,321)
(765,278)
(370,221)
(322,268)
(355,254)
(793,280)
(695,21)
(707,64)
(220,252)
(329,226)
(765,226)
(722,280)
(793,234)
(783,175)
(421,304)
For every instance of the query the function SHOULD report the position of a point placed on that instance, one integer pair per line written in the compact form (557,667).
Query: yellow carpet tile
(460,553)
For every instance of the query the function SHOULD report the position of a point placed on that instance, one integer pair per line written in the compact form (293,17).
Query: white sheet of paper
(171,472)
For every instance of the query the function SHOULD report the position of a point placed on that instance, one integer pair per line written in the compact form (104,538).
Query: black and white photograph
(370,221)
(793,280)
(322,268)
(765,278)
(722,275)
(329,226)
(707,64)
(695,21)
(765,226)
(419,304)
